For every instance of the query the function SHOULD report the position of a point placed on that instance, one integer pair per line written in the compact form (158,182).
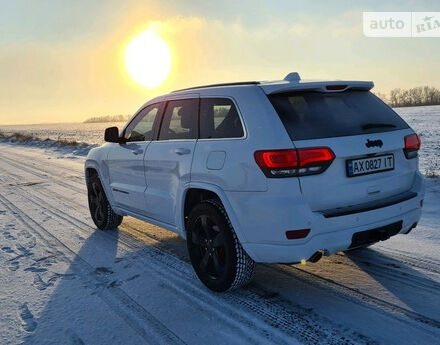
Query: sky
(63,60)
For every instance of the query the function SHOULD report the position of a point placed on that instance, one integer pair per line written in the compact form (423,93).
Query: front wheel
(102,213)
(217,256)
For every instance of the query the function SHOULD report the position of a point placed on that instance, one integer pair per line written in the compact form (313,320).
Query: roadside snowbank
(63,147)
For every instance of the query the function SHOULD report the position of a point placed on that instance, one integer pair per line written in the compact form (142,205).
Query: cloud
(86,76)
(347,25)
(301,30)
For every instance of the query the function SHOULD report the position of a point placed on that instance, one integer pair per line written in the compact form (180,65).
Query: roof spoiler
(294,85)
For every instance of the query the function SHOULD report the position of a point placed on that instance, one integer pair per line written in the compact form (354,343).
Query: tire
(217,256)
(102,213)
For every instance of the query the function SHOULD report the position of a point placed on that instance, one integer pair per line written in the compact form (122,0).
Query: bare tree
(422,95)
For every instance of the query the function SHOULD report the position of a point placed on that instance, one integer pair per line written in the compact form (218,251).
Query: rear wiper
(377,125)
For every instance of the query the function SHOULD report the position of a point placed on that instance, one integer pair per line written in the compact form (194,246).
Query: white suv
(269,172)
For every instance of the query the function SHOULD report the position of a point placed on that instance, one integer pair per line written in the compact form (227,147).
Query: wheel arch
(92,167)
(191,197)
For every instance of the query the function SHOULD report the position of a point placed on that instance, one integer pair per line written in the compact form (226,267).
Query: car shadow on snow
(75,313)
(415,290)
(82,308)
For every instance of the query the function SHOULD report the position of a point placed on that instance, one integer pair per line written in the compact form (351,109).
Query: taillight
(294,162)
(412,145)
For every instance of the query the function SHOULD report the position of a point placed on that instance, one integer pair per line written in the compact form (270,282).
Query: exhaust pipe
(316,256)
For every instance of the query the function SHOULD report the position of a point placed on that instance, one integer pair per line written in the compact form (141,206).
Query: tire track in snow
(42,174)
(353,295)
(286,323)
(133,314)
(345,292)
(373,267)
(382,268)
(356,296)
(193,297)
(427,264)
(428,267)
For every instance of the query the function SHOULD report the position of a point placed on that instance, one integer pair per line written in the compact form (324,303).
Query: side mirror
(111,135)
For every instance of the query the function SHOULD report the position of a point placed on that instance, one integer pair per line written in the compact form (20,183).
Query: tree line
(422,95)
(109,118)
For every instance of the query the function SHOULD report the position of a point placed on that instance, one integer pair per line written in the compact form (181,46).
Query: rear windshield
(313,115)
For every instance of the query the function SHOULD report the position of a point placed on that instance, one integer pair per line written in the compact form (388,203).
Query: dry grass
(24,138)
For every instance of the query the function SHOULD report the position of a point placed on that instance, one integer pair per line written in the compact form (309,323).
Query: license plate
(357,167)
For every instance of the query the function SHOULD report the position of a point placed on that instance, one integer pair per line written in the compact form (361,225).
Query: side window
(219,119)
(141,128)
(180,120)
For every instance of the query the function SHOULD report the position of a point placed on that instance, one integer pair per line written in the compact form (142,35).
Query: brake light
(335,87)
(412,145)
(294,162)
(315,155)
(277,159)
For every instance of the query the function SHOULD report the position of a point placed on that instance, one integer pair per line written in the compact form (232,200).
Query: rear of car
(366,137)
(356,163)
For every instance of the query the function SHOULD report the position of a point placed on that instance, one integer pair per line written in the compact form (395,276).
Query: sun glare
(148,59)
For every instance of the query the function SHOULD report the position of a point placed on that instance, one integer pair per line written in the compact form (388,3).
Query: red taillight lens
(315,155)
(412,142)
(412,145)
(283,159)
(294,162)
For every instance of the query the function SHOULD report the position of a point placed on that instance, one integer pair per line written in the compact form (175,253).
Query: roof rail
(221,84)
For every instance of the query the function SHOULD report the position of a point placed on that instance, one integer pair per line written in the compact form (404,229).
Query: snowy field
(64,282)
(89,133)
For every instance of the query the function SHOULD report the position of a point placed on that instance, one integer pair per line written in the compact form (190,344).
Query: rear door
(168,160)
(126,160)
(362,132)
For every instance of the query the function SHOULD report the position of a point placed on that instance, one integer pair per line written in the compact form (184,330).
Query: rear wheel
(102,213)
(217,256)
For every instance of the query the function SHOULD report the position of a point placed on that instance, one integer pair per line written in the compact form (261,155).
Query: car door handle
(182,151)
(137,152)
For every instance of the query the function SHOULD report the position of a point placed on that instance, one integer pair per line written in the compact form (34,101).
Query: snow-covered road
(63,282)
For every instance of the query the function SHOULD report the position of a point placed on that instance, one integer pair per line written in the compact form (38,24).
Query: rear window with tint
(219,119)
(313,115)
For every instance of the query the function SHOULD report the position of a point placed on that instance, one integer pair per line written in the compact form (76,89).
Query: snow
(64,282)
(426,122)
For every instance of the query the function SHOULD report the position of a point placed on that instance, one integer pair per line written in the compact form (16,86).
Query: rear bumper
(369,206)
(266,242)
(330,242)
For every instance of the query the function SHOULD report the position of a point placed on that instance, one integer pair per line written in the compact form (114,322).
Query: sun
(148,59)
